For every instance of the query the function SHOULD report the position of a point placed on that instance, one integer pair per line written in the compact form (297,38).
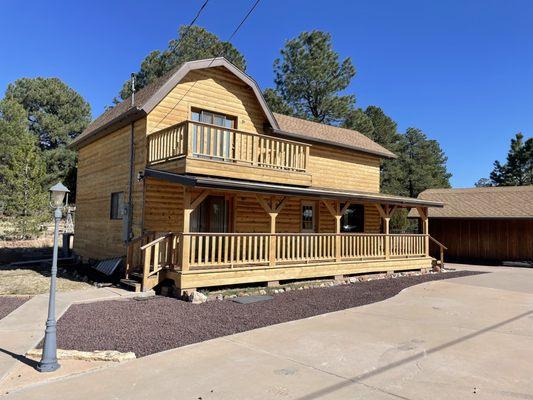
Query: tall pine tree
(192,43)
(309,79)
(518,170)
(22,171)
(55,114)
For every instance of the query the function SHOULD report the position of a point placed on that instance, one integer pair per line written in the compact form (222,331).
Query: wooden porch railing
(441,250)
(212,142)
(236,249)
(228,250)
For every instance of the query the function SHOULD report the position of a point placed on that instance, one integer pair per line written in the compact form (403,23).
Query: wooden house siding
(343,169)
(484,239)
(214,89)
(164,212)
(103,168)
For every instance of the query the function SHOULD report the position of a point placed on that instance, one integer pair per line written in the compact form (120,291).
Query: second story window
(212,118)
(212,142)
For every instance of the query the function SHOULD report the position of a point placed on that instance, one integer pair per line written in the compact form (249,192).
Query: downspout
(129,227)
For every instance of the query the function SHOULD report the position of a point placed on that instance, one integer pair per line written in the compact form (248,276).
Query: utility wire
(213,60)
(189,26)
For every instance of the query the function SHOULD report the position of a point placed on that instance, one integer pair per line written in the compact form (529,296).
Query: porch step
(131,284)
(136,275)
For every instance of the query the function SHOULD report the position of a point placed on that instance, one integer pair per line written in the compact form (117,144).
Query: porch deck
(212,259)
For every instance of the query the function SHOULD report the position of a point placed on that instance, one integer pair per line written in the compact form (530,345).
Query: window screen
(117,203)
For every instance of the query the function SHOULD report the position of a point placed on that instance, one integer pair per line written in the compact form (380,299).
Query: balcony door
(211,215)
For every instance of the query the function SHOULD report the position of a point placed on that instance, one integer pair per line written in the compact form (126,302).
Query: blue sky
(462,71)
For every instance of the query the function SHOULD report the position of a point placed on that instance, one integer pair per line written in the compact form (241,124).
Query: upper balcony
(199,148)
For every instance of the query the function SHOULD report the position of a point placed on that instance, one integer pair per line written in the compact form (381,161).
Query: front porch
(218,235)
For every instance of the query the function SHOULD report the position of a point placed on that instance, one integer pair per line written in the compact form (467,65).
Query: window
(212,118)
(308,217)
(353,219)
(117,203)
(205,136)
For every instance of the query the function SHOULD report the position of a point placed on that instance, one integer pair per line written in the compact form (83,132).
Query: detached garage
(489,224)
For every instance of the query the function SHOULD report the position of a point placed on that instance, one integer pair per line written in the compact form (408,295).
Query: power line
(189,26)
(213,60)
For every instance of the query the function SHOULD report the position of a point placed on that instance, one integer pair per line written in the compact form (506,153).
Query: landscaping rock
(98,355)
(197,298)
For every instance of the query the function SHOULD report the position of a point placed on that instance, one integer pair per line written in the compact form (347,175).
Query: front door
(211,215)
(308,216)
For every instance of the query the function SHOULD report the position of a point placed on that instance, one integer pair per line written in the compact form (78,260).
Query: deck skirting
(228,276)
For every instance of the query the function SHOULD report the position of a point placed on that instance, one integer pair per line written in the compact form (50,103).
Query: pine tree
(55,114)
(422,162)
(360,122)
(310,77)
(22,171)
(518,170)
(194,43)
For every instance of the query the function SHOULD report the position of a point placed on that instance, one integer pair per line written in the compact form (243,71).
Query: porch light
(57,195)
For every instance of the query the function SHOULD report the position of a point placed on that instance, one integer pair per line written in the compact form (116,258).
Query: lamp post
(48,361)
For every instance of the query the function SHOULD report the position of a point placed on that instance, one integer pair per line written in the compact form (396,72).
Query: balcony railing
(216,143)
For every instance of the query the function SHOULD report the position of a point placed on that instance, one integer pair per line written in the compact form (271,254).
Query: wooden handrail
(246,132)
(437,242)
(159,239)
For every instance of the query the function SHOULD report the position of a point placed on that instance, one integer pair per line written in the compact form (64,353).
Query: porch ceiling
(203,182)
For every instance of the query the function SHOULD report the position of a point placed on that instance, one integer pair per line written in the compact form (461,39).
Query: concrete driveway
(463,338)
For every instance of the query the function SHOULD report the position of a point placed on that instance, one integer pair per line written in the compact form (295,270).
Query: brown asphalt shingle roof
(331,134)
(483,202)
(141,97)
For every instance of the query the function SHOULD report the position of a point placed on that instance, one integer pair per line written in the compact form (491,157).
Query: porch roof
(203,182)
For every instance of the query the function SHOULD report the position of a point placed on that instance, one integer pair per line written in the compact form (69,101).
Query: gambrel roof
(148,97)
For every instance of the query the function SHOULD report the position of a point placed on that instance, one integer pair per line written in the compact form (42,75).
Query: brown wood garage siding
(489,240)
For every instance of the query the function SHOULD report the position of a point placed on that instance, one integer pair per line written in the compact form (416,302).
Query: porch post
(423,212)
(188,207)
(186,239)
(338,237)
(385,213)
(272,209)
(386,222)
(337,213)
(272,251)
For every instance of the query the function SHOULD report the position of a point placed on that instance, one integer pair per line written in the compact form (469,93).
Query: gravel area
(161,323)
(11,303)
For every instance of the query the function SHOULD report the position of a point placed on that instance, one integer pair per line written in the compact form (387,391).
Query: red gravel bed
(11,303)
(162,323)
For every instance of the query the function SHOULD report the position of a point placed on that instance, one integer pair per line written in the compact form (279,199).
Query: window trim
(314,216)
(120,205)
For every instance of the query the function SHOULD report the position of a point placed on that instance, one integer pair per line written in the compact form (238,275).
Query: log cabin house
(194,179)
(483,225)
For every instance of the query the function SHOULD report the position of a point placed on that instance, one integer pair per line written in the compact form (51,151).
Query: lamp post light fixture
(48,361)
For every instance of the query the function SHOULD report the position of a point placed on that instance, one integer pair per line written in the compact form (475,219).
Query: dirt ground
(32,280)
